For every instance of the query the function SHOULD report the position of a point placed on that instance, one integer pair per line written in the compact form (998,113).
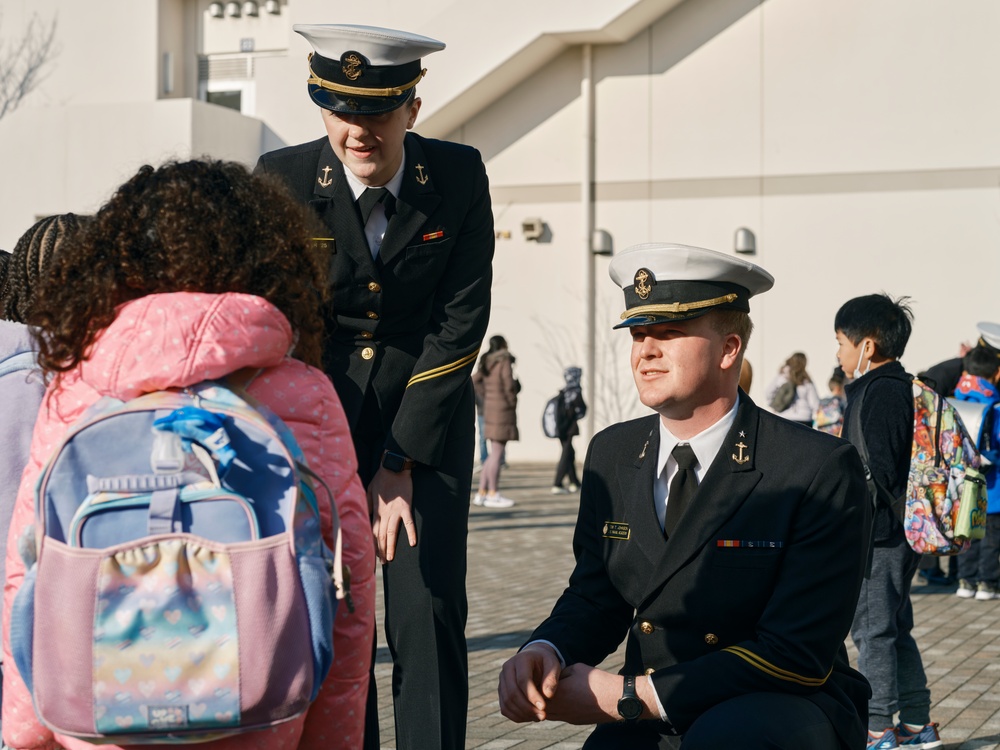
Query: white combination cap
(665,281)
(363,69)
(989,333)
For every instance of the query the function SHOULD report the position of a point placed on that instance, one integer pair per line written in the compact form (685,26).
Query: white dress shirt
(377,222)
(706,445)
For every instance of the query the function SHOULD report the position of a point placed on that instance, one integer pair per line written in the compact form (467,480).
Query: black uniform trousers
(756,721)
(425,589)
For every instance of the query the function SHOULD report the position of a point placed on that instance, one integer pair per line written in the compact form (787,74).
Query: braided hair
(30,261)
(4,262)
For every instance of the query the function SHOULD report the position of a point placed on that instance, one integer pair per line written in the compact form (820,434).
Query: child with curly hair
(193,271)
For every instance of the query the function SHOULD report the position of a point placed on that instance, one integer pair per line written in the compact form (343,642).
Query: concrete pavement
(520,559)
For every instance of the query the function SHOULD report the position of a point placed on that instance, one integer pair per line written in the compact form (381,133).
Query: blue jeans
(981,562)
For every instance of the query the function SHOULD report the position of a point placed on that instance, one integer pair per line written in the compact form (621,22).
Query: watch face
(393,462)
(630,708)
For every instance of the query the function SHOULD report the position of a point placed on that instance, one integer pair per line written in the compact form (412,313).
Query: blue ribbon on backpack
(201,426)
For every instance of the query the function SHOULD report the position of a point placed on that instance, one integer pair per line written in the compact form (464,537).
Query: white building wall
(856,138)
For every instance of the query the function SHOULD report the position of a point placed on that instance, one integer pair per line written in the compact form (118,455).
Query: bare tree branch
(23,63)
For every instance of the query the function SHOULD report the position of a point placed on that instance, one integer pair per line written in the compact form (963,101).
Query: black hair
(4,263)
(982,362)
(30,262)
(839,376)
(886,321)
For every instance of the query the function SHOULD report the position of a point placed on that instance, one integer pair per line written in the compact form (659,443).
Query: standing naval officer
(410,235)
(726,544)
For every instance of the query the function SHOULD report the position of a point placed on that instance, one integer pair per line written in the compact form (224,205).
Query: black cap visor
(351,86)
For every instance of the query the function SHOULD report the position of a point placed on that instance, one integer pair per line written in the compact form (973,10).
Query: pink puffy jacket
(173,340)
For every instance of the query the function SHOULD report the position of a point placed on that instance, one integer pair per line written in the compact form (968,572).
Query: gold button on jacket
(711,639)
(646,627)
(367,353)
(374,286)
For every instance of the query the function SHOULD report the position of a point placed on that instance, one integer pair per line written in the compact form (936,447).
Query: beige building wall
(855,138)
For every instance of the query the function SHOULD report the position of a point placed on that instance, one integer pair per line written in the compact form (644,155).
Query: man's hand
(390,497)
(528,680)
(586,696)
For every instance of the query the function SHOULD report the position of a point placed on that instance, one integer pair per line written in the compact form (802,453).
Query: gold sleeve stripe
(443,369)
(782,674)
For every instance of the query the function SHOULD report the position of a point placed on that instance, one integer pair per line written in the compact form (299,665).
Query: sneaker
(497,501)
(478,499)
(884,741)
(925,737)
(966,589)
(558,490)
(934,576)
(986,591)
(573,487)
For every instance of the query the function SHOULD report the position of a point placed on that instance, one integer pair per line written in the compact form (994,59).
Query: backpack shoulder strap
(19,361)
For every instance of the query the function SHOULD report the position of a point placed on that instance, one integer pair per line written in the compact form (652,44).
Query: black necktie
(682,486)
(370,197)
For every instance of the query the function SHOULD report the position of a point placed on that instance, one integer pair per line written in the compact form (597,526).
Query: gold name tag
(325,243)
(615,530)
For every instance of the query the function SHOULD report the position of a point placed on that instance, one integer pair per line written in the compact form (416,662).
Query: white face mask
(857,370)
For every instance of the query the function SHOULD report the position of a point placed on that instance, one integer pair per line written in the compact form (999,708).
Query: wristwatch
(396,462)
(629,705)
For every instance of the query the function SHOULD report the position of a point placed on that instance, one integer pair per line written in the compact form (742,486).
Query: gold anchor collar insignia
(642,289)
(325,180)
(422,177)
(742,458)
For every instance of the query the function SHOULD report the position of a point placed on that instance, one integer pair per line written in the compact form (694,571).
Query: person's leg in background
(484,452)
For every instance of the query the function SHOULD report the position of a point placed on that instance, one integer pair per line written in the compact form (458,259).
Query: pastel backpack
(178,588)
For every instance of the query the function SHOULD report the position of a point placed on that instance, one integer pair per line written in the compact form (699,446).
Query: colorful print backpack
(178,588)
(945,504)
(944,507)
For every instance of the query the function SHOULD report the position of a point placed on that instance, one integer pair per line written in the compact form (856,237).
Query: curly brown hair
(194,226)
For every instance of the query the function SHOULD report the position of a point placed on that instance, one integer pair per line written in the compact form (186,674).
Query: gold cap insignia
(352,65)
(642,288)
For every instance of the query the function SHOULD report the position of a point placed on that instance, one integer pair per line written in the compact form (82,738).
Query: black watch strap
(629,706)
(397,462)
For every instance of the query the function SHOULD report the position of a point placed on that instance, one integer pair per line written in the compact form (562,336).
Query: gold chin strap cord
(358,91)
(674,308)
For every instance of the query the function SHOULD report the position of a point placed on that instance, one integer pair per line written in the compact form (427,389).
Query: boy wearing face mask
(872,332)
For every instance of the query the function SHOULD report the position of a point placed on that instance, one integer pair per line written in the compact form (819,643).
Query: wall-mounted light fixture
(233,9)
(250,8)
(273,7)
(168,73)
(215,10)
(745,242)
(601,242)
(532,228)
